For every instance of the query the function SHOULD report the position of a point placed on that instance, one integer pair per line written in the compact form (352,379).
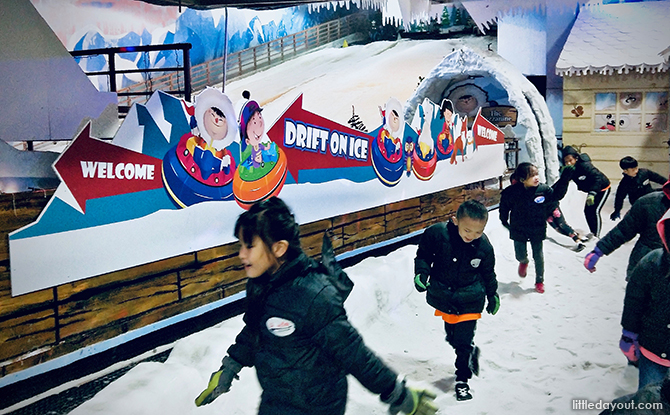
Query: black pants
(461,337)
(558,222)
(592,212)
(521,254)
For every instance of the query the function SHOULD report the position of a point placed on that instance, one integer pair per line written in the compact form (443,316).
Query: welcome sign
(178,174)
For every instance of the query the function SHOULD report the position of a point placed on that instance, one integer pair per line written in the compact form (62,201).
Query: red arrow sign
(311,141)
(485,132)
(92,168)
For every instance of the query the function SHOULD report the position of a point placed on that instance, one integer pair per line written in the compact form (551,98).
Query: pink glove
(591,259)
(629,345)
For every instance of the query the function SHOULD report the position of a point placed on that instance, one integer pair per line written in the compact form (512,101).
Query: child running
(296,331)
(635,183)
(589,180)
(524,207)
(455,265)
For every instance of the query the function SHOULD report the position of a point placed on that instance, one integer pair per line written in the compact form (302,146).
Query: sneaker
(463,392)
(522,269)
(474,361)
(539,287)
(579,248)
(587,237)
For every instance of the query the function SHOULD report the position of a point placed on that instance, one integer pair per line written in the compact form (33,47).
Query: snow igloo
(506,97)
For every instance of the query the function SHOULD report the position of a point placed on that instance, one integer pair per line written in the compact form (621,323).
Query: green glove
(567,169)
(493,304)
(220,381)
(590,199)
(421,282)
(415,402)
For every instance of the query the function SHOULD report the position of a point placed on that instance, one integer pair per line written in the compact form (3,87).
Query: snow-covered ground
(539,353)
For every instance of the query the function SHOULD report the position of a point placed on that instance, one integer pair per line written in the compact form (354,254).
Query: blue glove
(493,304)
(591,259)
(421,282)
(591,199)
(629,345)
(220,381)
(615,215)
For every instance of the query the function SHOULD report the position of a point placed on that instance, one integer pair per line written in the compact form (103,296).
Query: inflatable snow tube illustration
(184,181)
(444,147)
(251,185)
(424,169)
(388,168)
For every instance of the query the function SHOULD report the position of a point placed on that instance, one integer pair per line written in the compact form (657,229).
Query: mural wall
(83,25)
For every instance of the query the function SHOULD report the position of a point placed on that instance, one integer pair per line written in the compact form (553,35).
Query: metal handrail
(176,71)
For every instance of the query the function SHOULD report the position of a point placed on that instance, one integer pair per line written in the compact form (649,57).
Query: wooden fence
(43,325)
(250,60)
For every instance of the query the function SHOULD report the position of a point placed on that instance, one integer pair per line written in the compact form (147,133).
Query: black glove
(493,304)
(615,215)
(411,401)
(220,381)
(421,282)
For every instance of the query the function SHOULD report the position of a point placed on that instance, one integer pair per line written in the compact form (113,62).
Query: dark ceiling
(245,4)
(241,4)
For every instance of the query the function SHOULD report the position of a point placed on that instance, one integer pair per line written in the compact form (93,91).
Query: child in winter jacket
(524,208)
(646,312)
(640,220)
(589,180)
(635,183)
(296,331)
(454,264)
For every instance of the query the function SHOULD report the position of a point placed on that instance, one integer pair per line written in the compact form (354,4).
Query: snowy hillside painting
(129,23)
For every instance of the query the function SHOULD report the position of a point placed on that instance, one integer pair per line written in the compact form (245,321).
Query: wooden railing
(250,60)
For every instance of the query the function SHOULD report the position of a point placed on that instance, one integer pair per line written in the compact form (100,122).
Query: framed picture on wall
(631,111)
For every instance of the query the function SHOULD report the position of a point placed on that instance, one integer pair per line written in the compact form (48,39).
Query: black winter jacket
(461,275)
(524,211)
(639,220)
(636,187)
(298,337)
(646,309)
(586,176)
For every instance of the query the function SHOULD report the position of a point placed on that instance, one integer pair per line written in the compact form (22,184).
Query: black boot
(463,392)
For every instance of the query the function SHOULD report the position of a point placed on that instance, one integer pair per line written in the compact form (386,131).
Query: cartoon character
(256,145)
(445,139)
(386,148)
(460,131)
(425,157)
(201,166)
(262,171)
(467,99)
(390,136)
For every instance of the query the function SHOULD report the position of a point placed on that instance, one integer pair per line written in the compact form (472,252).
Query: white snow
(539,353)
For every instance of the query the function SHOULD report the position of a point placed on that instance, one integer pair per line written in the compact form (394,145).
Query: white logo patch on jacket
(581,178)
(539,199)
(280,327)
(475,262)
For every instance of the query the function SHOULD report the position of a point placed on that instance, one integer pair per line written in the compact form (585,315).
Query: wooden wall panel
(20,305)
(210,276)
(84,313)
(606,149)
(27,332)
